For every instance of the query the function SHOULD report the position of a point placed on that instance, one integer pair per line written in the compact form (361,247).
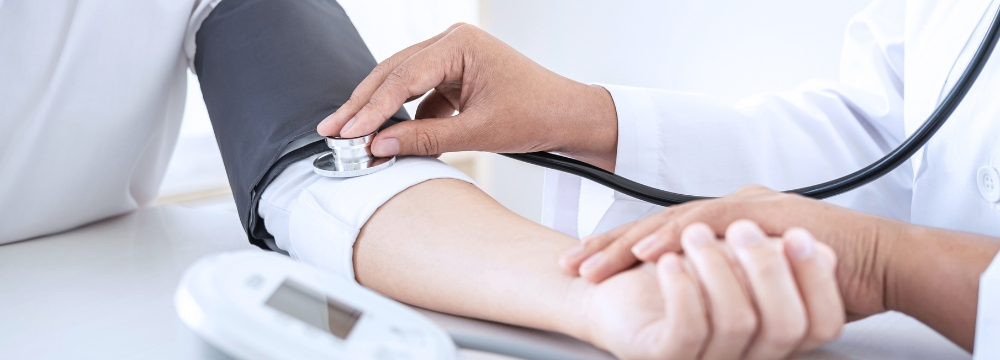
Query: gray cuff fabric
(270,71)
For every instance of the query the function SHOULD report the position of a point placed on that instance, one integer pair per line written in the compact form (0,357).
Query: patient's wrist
(573,318)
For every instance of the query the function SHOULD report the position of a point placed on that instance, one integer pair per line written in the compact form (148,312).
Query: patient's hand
(750,297)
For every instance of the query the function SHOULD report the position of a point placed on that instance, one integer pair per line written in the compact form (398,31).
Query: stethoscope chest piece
(350,157)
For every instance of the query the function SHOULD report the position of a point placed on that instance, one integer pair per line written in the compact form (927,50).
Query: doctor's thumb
(424,137)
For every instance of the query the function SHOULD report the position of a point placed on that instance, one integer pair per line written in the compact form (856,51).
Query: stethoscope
(352,157)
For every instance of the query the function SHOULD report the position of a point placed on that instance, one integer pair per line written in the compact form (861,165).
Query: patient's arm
(447,246)
(418,237)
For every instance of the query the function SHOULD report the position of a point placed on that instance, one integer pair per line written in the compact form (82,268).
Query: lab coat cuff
(638,134)
(988,314)
(647,121)
(561,202)
(328,215)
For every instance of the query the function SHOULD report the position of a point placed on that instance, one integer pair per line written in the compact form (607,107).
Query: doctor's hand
(861,241)
(505,103)
(750,297)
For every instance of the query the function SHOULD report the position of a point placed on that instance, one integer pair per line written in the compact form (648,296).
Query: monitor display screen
(314,308)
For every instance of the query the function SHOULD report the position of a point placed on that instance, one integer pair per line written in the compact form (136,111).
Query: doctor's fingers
(602,255)
(663,230)
(571,259)
(435,136)
(646,240)
(334,125)
(441,62)
(783,320)
(814,265)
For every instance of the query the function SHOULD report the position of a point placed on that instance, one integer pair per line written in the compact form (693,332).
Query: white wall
(728,48)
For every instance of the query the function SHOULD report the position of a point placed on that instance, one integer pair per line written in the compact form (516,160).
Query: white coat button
(989,183)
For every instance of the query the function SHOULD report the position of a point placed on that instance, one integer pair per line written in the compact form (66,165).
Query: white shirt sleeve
(988,314)
(198,14)
(317,219)
(696,144)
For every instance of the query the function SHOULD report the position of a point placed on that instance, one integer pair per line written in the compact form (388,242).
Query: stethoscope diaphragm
(350,157)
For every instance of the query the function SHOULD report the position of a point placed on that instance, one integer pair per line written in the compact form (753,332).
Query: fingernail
(799,245)
(744,234)
(644,245)
(671,263)
(386,147)
(591,263)
(346,127)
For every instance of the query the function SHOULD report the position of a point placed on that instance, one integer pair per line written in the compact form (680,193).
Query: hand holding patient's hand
(505,103)
(750,297)
(861,241)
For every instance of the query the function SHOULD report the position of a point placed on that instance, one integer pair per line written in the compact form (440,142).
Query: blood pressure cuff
(270,71)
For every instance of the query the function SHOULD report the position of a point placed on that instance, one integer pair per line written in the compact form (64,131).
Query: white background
(728,48)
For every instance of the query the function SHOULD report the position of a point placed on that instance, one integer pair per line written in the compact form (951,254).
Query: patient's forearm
(446,246)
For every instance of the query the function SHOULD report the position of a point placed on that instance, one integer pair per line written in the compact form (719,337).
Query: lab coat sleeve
(988,314)
(317,219)
(696,144)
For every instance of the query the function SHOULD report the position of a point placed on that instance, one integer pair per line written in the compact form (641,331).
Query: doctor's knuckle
(466,31)
(382,70)
(355,99)
(709,211)
(426,142)
(455,26)
(667,213)
(752,190)
(399,78)
(374,107)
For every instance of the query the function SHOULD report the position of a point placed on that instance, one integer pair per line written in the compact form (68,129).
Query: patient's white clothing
(91,100)
(316,219)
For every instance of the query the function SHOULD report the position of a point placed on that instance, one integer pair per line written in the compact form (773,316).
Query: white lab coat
(694,144)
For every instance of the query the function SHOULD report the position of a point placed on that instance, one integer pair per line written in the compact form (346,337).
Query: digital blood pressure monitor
(257,305)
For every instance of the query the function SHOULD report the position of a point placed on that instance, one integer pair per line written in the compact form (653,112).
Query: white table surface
(105,291)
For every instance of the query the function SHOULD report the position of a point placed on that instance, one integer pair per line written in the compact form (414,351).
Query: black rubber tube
(838,186)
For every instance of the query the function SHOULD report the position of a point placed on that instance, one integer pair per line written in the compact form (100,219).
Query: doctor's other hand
(749,297)
(861,241)
(505,103)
